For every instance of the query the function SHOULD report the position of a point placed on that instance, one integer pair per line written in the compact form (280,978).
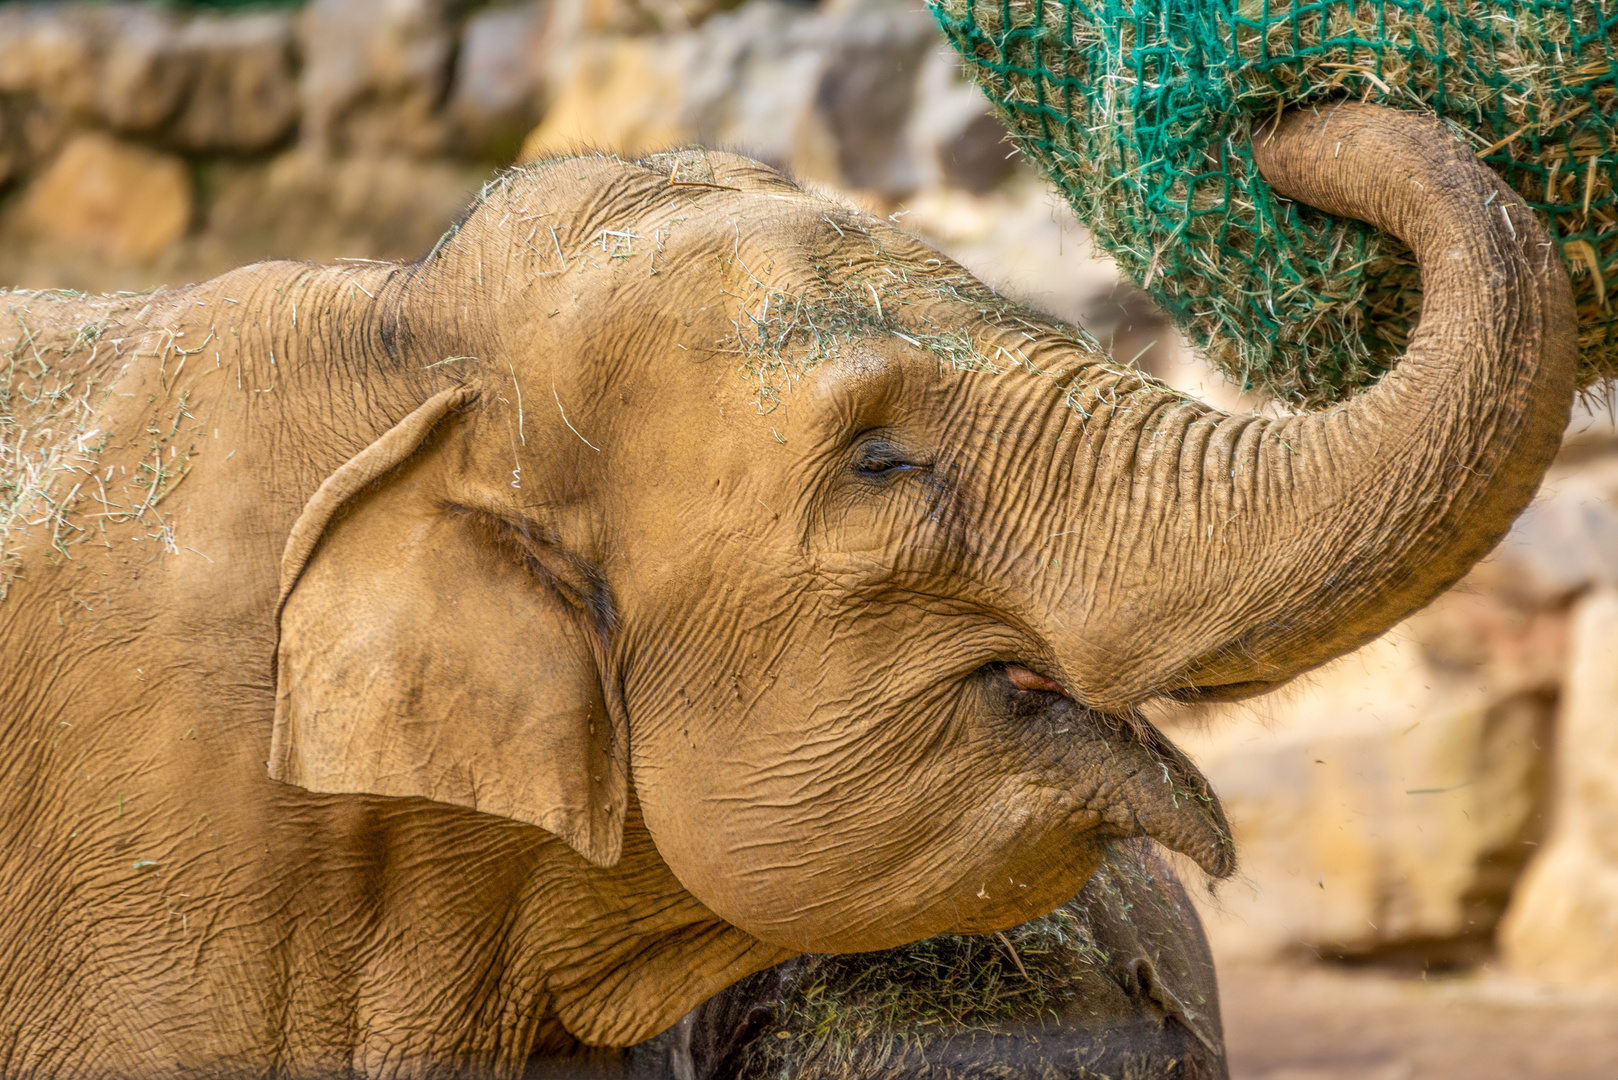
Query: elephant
(439,668)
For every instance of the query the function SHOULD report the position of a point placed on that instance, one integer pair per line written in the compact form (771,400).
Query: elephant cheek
(1019,856)
(1035,851)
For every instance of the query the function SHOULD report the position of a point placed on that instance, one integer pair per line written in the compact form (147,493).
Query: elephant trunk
(1281,543)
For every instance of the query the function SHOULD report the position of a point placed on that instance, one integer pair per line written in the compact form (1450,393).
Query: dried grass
(50,482)
(874,1014)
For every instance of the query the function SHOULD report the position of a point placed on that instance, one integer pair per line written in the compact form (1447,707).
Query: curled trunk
(1277,544)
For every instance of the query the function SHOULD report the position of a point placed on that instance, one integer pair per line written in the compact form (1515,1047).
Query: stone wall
(141,145)
(1447,789)
(1563,920)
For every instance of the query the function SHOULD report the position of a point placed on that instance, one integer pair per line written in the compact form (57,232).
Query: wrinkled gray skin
(1137,991)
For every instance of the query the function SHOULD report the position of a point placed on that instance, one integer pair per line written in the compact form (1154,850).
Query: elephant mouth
(1137,782)
(1026,679)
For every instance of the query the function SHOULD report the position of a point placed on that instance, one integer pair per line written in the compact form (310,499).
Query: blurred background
(1428,828)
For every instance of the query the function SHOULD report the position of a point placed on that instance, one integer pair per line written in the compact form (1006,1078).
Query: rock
(696,12)
(374,73)
(752,79)
(305,204)
(630,17)
(51,52)
(743,81)
(110,199)
(144,76)
(624,95)
(206,83)
(646,16)
(1565,542)
(828,96)
(954,139)
(1389,804)
(211,83)
(976,156)
(1469,631)
(1021,242)
(13,146)
(50,59)
(1117,982)
(1385,807)
(1563,920)
(243,95)
(496,96)
(854,135)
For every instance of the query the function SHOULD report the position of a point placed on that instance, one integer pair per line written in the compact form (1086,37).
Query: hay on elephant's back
(1141,113)
(47,448)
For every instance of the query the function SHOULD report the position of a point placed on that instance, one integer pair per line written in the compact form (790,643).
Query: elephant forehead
(730,204)
(808,271)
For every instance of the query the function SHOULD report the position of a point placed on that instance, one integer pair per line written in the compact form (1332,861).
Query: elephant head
(735,503)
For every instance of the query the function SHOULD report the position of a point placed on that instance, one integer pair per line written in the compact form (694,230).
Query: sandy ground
(1333,1023)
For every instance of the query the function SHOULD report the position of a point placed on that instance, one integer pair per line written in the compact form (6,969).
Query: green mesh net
(1141,112)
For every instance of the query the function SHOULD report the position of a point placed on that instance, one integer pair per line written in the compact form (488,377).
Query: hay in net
(1141,113)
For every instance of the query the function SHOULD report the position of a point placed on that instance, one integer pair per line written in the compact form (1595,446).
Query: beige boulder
(143,80)
(860,98)
(642,16)
(751,79)
(305,204)
(1565,542)
(855,133)
(50,59)
(243,94)
(1393,800)
(499,88)
(623,95)
(1563,922)
(955,140)
(374,72)
(829,94)
(50,52)
(210,83)
(110,199)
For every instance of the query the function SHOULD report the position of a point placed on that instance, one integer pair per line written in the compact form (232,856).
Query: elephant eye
(881,459)
(876,468)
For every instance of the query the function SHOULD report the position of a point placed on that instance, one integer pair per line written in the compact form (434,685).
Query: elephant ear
(423,654)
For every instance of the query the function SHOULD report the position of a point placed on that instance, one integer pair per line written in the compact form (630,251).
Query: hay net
(1141,110)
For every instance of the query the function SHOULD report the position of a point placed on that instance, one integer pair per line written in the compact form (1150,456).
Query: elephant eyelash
(879,459)
(882,468)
